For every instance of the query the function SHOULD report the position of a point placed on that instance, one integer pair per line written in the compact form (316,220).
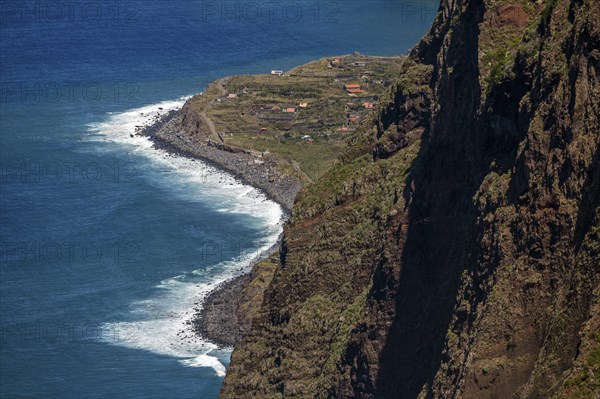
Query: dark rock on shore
(229,311)
(259,170)
(219,319)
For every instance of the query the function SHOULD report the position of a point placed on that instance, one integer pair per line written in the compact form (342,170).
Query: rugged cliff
(453,251)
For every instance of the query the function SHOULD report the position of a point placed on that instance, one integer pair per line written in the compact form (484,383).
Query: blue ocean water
(106,245)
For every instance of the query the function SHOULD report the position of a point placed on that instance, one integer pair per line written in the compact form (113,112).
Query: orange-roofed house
(289,110)
(351,87)
(355,91)
(368,105)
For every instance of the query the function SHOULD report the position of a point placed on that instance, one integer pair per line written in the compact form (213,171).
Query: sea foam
(162,323)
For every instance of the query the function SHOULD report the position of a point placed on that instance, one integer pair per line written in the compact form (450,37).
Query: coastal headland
(278,132)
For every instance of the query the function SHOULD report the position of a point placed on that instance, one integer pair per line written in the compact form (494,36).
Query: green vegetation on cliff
(452,250)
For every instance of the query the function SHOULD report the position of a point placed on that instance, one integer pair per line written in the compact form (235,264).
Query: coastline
(190,132)
(225,316)
(218,318)
(258,172)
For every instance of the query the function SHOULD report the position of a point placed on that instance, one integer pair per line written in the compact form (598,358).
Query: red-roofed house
(355,91)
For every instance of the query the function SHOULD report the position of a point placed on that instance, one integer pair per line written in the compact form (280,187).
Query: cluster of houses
(352,117)
(233,95)
(288,109)
(277,108)
(338,63)
(365,105)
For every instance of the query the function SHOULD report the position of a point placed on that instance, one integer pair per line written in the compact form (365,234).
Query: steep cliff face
(190,122)
(453,251)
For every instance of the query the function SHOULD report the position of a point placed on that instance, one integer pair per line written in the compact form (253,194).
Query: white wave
(162,323)
(186,178)
(206,361)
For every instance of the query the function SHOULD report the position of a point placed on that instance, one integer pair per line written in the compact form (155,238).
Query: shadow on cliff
(441,237)
(590,201)
(431,252)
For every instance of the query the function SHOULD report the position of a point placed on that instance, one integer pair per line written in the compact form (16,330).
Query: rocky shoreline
(255,169)
(219,319)
(227,313)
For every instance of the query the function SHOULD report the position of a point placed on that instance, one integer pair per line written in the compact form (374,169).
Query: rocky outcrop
(189,121)
(453,251)
(220,320)
(228,312)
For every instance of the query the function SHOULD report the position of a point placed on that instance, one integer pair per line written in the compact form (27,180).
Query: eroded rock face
(453,252)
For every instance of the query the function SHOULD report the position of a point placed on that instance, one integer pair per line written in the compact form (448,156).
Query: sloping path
(211,126)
